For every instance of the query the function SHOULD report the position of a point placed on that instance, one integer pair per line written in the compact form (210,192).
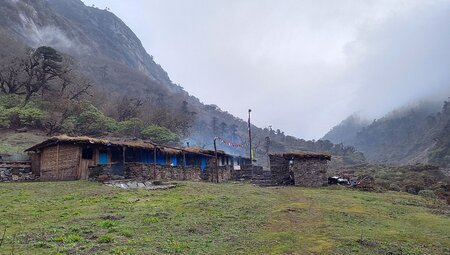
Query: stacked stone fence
(217,174)
(142,172)
(16,171)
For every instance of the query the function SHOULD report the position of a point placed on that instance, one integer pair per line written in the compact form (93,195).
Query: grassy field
(203,218)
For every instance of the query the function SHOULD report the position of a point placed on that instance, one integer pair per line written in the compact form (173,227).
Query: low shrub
(394,187)
(427,193)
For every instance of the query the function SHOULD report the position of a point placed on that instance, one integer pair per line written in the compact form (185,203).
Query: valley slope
(414,134)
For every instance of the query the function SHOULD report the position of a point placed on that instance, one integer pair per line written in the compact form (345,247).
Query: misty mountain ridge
(416,133)
(107,52)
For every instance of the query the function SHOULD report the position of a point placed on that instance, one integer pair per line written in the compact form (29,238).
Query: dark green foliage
(159,134)
(14,116)
(93,122)
(132,127)
(440,155)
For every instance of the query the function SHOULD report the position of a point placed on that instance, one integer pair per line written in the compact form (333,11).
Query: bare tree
(129,107)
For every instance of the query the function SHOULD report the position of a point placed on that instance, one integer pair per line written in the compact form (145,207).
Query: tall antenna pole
(250,136)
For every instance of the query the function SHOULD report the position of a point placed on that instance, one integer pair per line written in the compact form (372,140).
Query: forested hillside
(69,68)
(417,134)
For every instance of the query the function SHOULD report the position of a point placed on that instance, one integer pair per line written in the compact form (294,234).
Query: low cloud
(302,66)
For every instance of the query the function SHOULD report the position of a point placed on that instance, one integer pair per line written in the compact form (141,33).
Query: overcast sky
(302,66)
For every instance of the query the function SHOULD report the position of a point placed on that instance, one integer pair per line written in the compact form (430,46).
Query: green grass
(204,218)
(12,142)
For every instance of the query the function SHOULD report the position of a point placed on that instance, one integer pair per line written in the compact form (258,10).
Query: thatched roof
(89,140)
(170,150)
(198,150)
(304,155)
(140,144)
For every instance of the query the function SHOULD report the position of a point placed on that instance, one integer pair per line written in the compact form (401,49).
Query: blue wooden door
(102,158)
(203,163)
(174,160)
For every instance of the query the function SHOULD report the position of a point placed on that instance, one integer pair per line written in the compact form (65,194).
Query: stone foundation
(143,172)
(137,171)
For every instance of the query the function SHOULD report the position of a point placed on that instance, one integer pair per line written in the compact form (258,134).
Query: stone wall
(142,172)
(247,173)
(279,167)
(223,173)
(104,172)
(310,172)
(16,171)
(138,171)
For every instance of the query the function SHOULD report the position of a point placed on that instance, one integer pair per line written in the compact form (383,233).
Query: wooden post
(57,160)
(154,163)
(123,155)
(217,161)
(80,156)
(40,162)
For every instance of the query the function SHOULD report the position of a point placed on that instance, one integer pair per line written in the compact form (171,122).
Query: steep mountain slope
(347,130)
(73,28)
(415,134)
(107,52)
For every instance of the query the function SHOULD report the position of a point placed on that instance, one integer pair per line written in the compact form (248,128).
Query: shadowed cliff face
(110,37)
(74,28)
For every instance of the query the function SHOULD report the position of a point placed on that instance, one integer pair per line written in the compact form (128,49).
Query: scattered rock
(112,217)
(140,185)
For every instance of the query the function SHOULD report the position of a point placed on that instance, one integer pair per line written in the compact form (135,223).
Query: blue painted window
(102,158)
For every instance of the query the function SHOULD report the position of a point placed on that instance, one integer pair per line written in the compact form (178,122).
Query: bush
(10,101)
(159,134)
(29,115)
(92,121)
(12,114)
(427,193)
(132,127)
(394,187)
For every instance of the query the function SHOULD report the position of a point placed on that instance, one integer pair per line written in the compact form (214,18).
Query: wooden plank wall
(60,162)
